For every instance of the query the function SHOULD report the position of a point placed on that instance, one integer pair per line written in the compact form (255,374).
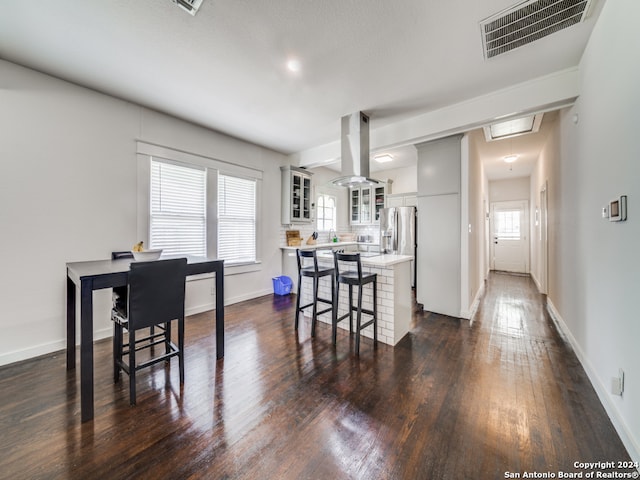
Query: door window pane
(507,224)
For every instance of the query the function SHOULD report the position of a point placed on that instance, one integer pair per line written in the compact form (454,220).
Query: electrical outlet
(617,383)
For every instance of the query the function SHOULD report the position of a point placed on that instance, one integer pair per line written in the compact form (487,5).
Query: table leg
(86,349)
(71,324)
(219,312)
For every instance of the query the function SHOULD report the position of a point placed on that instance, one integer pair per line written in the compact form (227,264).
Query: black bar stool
(315,273)
(355,278)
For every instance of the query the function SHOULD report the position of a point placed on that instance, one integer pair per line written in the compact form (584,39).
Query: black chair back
(347,258)
(118,255)
(301,254)
(156,292)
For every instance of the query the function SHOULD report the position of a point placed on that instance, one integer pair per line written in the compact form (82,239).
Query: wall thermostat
(618,209)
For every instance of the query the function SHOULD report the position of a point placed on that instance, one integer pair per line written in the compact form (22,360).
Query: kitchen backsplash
(371,231)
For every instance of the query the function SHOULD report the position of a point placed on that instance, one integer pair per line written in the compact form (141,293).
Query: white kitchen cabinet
(296,195)
(365,204)
(379,201)
(402,200)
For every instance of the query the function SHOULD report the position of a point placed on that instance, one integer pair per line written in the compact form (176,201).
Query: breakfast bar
(394,293)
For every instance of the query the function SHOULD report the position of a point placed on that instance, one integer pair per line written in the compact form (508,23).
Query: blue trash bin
(282,285)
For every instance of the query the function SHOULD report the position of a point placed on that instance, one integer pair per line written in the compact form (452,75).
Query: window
(326,212)
(201,206)
(236,219)
(178,217)
(507,225)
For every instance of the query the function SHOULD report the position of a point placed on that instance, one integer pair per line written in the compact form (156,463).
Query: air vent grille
(528,22)
(189,6)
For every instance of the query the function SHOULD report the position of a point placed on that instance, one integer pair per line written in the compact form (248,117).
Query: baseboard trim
(46,348)
(476,303)
(630,443)
(471,312)
(535,280)
(247,296)
(61,344)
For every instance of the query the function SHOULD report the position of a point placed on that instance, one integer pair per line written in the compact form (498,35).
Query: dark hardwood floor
(450,401)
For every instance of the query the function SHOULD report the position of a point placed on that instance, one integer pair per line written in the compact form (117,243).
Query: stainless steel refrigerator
(398,233)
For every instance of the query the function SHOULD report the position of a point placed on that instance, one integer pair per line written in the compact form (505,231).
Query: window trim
(145,151)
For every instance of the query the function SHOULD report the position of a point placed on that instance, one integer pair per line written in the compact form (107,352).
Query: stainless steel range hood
(354,143)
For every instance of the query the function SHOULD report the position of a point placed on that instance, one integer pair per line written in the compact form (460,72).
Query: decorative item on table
(140,254)
(312,238)
(293,238)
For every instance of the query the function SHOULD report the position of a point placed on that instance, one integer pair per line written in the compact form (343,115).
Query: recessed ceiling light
(383,158)
(294,65)
(510,158)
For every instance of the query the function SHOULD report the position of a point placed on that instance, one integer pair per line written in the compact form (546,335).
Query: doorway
(509,236)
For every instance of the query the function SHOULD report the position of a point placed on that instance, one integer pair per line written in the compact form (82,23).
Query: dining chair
(155,297)
(119,296)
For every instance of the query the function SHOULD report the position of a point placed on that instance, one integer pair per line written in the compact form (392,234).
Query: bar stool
(355,278)
(314,272)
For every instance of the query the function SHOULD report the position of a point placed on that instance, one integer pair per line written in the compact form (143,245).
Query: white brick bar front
(394,296)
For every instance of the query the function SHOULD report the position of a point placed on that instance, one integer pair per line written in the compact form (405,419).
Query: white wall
(594,277)
(509,189)
(478,223)
(68,193)
(404,179)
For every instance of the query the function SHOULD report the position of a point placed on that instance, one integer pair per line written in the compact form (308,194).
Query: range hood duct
(354,145)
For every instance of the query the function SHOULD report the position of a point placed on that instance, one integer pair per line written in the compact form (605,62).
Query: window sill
(231,269)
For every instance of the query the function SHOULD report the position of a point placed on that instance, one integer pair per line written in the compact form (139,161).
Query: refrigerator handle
(395,230)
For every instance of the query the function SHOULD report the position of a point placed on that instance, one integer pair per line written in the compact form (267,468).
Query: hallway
(530,400)
(450,401)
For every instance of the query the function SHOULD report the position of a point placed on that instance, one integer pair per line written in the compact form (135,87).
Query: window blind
(178,214)
(236,219)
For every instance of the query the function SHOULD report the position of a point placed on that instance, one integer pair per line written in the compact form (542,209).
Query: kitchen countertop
(304,246)
(370,258)
(383,260)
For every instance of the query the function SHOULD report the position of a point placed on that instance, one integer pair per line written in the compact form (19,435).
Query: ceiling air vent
(190,6)
(529,21)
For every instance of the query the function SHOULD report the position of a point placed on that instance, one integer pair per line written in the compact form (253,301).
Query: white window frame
(147,151)
(321,210)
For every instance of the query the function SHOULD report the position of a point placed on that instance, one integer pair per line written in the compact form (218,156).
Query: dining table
(88,276)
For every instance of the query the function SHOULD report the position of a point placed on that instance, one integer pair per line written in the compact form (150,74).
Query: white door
(509,237)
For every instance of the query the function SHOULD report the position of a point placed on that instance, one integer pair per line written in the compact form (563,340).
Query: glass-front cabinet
(365,204)
(378,201)
(296,195)
(355,205)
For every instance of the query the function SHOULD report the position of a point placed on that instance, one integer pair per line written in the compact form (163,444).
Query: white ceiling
(225,68)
